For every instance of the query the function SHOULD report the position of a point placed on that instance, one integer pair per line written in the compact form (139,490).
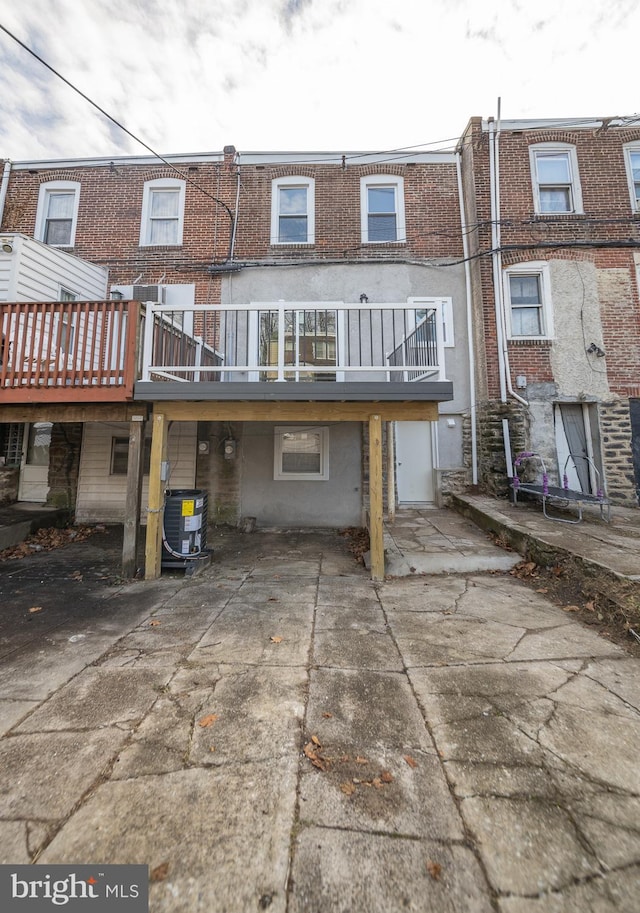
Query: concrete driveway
(279,733)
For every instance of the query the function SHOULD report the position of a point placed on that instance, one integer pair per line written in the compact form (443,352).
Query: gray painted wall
(333,503)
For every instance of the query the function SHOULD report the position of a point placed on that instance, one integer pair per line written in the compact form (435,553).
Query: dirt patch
(612,607)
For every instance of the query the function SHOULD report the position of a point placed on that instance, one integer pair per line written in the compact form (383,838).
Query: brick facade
(591,256)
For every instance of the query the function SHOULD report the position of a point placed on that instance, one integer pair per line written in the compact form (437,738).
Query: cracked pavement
(280,733)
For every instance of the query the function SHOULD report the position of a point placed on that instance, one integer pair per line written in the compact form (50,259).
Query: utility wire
(118,124)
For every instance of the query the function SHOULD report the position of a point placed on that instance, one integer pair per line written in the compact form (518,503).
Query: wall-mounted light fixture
(7,246)
(595,350)
(364,298)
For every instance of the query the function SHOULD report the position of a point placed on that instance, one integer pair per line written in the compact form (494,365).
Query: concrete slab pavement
(279,733)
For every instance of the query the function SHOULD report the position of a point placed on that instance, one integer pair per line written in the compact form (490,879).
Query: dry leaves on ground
(434,869)
(410,761)
(276,639)
(160,872)
(208,720)
(44,540)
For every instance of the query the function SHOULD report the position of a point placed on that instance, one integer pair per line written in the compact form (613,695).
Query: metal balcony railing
(296,341)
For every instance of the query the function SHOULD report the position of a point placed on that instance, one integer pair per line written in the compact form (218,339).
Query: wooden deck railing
(63,351)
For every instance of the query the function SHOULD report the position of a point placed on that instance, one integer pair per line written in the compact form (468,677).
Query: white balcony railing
(295,341)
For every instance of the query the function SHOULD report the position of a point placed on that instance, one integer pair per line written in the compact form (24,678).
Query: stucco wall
(332,503)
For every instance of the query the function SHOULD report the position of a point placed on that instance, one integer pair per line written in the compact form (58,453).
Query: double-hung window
(57,213)
(301,454)
(632,159)
(162,213)
(382,209)
(293,211)
(554,173)
(528,301)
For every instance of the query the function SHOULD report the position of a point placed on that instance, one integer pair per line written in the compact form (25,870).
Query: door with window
(576,431)
(34,469)
(414,463)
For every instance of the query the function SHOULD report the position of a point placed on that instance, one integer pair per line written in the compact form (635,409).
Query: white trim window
(554,173)
(162,220)
(293,210)
(382,209)
(632,162)
(57,213)
(301,453)
(528,300)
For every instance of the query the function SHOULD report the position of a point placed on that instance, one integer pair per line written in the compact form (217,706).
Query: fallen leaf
(212,747)
(434,869)
(377,782)
(316,741)
(35,608)
(327,716)
(316,759)
(410,761)
(155,623)
(542,589)
(360,760)
(347,788)
(570,608)
(276,639)
(590,606)
(160,872)
(77,575)
(386,777)
(208,720)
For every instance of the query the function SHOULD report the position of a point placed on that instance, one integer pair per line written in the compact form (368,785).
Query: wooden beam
(72,412)
(134,497)
(242,411)
(391,472)
(376,529)
(153,551)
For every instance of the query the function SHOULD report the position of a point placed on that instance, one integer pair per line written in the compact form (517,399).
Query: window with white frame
(554,173)
(293,211)
(301,453)
(382,209)
(57,213)
(632,161)
(162,212)
(528,302)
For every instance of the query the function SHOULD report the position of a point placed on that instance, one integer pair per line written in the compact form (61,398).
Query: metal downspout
(472,359)
(496,241)
(4,186)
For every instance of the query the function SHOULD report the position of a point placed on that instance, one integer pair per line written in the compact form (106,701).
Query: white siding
(102,496)
(37,272)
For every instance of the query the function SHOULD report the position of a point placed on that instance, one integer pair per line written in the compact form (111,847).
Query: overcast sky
(196,75)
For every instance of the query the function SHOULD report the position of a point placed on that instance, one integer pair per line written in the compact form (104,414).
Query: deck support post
(155,510)
(376,530)
(134,496)
(391,472)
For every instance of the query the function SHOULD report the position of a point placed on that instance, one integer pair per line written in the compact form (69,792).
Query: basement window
(301,454)
(120,456)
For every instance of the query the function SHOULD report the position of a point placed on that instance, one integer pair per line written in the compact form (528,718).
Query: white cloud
(303,74)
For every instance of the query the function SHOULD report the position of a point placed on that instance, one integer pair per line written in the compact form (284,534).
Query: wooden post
(134,496)
(391,472)
(376,531)
(153,552)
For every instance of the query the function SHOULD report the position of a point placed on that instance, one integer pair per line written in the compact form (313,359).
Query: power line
(118,124)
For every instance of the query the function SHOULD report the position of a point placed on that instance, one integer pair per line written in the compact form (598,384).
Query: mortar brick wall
(605,235)
(615,427)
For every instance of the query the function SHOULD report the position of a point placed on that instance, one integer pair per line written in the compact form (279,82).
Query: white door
(414,463)
(34,470)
